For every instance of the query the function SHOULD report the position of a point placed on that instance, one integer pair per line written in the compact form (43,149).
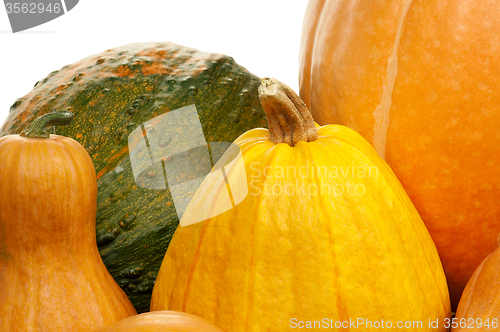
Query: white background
(262,36)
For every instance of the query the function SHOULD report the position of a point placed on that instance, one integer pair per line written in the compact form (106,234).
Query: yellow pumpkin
(419,80)
(326,234)
(52,277)
(161,321)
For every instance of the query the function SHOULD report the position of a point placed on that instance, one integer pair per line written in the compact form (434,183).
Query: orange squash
(419,80)
(323,234)
(51,275)
(158,321)
(479,307)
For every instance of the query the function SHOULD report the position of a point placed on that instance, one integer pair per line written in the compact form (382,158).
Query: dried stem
(288,118)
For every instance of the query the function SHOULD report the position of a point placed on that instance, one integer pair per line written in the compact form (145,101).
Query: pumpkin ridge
(402,201)
(195,261)
(382,111)
(251,276)
(391,186)
(341,309)
(252,270)
(305,72)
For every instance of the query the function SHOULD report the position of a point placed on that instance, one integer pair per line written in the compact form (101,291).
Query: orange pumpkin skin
(51,275)
(420,81)
(480,300)
(157,321)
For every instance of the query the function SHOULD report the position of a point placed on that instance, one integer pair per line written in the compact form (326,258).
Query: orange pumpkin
(157,321)
(420,81)
(51,275)
(479,307)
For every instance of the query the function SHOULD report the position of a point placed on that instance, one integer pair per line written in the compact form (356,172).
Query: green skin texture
(112,93)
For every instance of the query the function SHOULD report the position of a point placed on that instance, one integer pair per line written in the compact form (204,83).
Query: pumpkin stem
(287,115)
(37,128)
